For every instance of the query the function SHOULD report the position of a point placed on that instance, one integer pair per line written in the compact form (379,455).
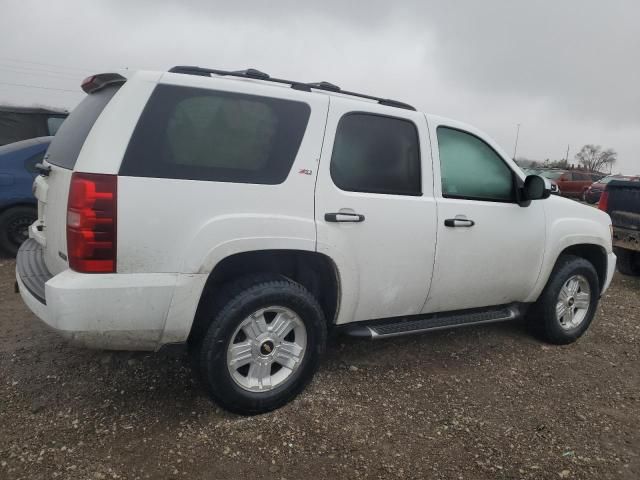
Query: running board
(393,327)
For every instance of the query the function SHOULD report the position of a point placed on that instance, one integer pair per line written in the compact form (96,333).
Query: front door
(375,212)
(489,248)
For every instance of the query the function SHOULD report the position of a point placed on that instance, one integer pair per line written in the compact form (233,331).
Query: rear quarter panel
(188,226)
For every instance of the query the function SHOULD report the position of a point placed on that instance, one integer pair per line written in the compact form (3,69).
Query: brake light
(604,201)
(97,82)
(91,223)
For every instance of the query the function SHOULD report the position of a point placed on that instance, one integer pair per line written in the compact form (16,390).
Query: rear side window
(201,134)
(376,154)
(66,145)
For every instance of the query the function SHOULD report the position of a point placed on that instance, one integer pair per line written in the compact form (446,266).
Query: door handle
(459,222)
(343,217)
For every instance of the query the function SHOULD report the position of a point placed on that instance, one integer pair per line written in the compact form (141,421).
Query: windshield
(551,175)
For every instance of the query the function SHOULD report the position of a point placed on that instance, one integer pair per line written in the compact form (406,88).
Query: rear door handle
(459,222)
(343,217)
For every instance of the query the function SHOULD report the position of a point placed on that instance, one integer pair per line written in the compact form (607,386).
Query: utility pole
(566,157)
(515,147)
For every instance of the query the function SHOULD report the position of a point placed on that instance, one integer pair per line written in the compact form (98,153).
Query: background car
(592,194)
(18,207)
(555,190)
(21,123)
(570,182)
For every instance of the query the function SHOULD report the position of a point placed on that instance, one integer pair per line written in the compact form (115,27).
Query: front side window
(472,169)
(376,154)
(200,134)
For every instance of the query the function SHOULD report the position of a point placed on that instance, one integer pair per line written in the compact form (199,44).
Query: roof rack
(303,86)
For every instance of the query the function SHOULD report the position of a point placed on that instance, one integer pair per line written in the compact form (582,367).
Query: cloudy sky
(568,71)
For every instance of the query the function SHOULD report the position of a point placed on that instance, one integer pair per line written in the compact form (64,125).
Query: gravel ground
(475,403)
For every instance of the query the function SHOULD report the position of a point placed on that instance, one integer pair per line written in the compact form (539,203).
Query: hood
(566,207)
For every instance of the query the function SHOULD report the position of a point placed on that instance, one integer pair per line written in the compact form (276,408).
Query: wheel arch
(594,254)
(315,271)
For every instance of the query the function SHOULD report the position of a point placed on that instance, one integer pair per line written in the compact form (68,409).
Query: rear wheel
(568,303)
(628,261)
(263,346)
(14,228)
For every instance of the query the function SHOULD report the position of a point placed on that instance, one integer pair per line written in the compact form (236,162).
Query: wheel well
(316,272)
(594,254)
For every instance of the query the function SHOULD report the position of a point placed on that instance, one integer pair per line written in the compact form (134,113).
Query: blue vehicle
(18,207)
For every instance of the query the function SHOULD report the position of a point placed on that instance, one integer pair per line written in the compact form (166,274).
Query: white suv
(246,216)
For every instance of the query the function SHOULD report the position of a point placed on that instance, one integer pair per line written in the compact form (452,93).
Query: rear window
(70,137)
(201,134)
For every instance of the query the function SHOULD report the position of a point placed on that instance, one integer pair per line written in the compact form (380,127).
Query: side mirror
(536,188)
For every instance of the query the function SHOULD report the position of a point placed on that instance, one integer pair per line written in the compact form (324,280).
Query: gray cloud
(566,70)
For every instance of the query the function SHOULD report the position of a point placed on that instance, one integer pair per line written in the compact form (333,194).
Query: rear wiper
(43,169)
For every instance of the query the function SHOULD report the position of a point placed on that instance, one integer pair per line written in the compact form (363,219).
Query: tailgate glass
(66,145)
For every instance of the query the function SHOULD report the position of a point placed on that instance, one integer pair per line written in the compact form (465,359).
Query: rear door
(375,212)
(575,183)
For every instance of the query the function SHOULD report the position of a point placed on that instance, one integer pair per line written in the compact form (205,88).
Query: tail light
(91,223)
(604,201)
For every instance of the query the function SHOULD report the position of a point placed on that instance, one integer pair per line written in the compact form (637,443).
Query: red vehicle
(592,194)
(572,183)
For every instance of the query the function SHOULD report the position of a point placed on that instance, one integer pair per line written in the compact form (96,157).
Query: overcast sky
(568,71)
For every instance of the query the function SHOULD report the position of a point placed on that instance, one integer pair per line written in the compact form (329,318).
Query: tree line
(592,158)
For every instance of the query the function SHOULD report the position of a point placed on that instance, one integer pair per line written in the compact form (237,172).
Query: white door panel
(494,259)
(385,261)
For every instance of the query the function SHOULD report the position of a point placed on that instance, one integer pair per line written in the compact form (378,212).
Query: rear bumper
(107,311)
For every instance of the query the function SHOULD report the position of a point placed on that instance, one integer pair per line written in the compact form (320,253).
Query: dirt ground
(475,403)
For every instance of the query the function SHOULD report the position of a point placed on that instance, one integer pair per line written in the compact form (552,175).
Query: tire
(241,391)
(14,223)
(628,262)
(567,328)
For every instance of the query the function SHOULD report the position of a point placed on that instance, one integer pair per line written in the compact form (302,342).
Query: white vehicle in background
(246,216)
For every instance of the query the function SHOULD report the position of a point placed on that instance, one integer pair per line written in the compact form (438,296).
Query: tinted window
(551,175)
(53,124)
(204,134)
(376,154)
(472,169)
(66,145)
(580,177)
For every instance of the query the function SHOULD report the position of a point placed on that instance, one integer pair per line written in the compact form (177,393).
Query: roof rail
(303,86)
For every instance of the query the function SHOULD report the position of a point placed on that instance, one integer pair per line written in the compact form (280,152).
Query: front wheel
(263,346)
(568,303)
